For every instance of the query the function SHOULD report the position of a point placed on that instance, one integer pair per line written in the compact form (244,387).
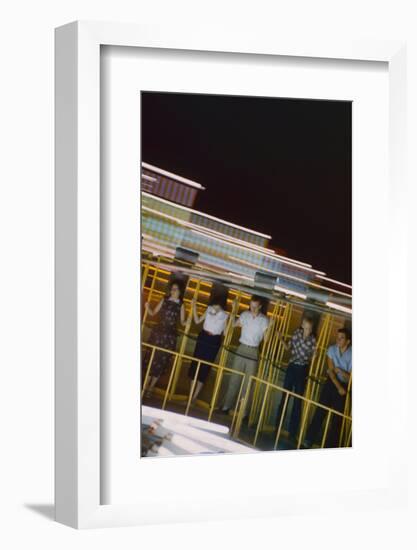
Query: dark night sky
(278,166)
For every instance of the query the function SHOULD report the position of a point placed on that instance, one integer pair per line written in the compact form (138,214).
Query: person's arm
(151,311)
(226,322)
(313,354)
(344,374)
(237,322)
(313,350)
(281,338)
(331,372)
(198,319)
(182,314)
(265,333)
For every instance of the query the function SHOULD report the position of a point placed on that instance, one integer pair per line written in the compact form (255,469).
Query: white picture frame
(77,243)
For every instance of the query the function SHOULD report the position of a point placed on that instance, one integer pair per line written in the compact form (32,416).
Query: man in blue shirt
(333,395)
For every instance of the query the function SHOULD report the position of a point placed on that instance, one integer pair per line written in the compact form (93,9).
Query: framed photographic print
(251,331)
(224,211)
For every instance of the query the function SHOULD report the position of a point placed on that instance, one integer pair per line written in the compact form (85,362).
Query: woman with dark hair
(209,340)
(302,345)
(164,335)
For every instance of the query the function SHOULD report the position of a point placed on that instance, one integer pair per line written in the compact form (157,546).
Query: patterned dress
(164,335)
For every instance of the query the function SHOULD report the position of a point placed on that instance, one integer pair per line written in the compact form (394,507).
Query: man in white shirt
(253,325)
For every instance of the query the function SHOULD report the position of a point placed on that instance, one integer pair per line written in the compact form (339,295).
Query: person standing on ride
(302,345)
(164,334)
(253,324)
(335,389)
(209,340)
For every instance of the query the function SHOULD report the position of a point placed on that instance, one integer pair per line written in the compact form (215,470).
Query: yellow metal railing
(178,363)
(309,403)
(242,401)
(283,316)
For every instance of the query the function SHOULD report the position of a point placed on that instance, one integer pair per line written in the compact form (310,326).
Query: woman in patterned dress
(164,335)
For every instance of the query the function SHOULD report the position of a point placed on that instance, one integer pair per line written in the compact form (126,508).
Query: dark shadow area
(45,510)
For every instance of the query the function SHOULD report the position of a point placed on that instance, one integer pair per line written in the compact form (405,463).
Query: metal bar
(283,329)
(349,438)
(263,363)
(301,436)
(274,345)
(261,416)
(188,357)
(271,374)
(162,293)
(217,383)
(243,405)
(320,353)
(171,376)
(237,402)
(272,371)
(145,315)
(281,421)
(147,373)
(224,352)
(345,409)
(229,330)
(323,441)
(191,358)
(144,275)
(192,387)
(321,346)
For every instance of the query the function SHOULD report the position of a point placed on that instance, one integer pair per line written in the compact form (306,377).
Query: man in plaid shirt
(302,345)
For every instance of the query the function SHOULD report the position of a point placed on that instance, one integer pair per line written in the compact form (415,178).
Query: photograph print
(246,274)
